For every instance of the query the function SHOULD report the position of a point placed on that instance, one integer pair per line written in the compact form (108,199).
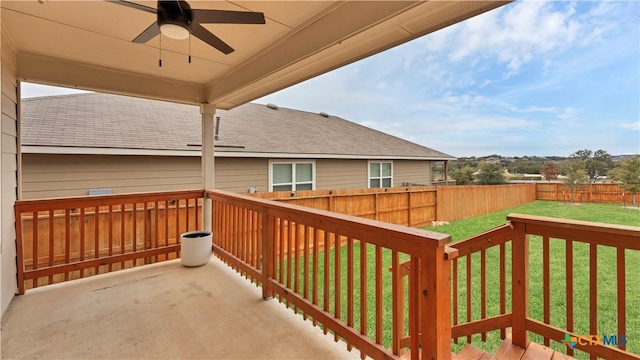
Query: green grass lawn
(462,229)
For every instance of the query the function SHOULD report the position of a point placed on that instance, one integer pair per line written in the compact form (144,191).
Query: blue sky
(530,78)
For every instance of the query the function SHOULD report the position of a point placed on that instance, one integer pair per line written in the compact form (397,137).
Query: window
(292,176)
(380,174)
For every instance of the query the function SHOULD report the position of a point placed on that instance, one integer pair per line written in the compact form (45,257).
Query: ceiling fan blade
(227,17)
(203,34)
(133,5)
(152,31)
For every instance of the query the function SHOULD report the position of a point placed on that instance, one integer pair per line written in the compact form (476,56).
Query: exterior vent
(324,114)
(272,106)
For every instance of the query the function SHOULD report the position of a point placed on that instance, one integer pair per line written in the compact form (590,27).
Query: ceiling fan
(176,19)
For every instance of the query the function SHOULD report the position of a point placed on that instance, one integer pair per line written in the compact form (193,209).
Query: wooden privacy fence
(459,202)
(596,193)
(344,288)
(411,206)
(64,239)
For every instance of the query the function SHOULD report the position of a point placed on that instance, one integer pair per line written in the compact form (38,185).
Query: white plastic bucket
(195,248)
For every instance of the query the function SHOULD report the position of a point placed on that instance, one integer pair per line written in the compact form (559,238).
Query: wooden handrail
(104,200)
(518,232)
(290,240)
(106,233)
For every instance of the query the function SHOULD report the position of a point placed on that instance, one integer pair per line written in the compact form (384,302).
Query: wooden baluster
(363,288)
(110,219)
(156,229)
(503,285)
(268,254)
(349,285)
(397,303)
(455,295)
(51,241)
(96,236)
(469,286)
(296,254)
(146,219)
(378,297)
(305,254)
(327,247)
(483,289)
(414,303)
(281,251)
(593,291)
(621,303)
(569,289)
(546,285)
(82,238)
(67,240)
(315,275)
(122,232)
(34,255)
(337,306)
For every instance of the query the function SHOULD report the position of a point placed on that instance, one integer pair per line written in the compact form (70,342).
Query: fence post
(268,268)
(520,285)
(435,301)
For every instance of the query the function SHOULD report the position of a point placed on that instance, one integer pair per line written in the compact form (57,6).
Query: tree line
(580,167)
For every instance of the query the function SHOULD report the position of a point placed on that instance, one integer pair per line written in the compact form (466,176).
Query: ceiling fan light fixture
(174,31)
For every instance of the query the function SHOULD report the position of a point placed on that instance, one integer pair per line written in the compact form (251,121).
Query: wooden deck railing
(70,238)
(484,300)
(329,267)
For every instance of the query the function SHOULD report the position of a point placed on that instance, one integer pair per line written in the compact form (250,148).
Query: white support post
(208,131)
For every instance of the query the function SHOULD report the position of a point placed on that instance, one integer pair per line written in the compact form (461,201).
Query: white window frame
(293,170)
(369,178)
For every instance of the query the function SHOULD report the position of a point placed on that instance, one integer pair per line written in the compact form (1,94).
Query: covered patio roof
(88,45)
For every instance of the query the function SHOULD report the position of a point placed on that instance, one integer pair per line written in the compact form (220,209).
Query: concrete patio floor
(161,311)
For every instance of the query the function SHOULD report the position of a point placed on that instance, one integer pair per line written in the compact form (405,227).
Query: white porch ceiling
(87,44)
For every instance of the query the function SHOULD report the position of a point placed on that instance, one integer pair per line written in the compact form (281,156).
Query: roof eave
(71,150)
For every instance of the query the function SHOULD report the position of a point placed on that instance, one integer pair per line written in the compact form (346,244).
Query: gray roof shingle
(97,120)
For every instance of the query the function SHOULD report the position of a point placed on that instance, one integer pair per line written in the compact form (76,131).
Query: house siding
(9,170)
(341,174)
(240,174)
(411,171)
(49,175)
(54,175)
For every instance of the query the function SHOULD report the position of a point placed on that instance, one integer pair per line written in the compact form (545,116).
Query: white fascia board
(326,156)
(30,149)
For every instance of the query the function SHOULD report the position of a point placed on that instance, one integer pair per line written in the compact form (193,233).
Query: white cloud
(634,125)
(509,81)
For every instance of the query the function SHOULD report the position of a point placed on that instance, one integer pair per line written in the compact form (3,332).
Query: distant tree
(599,164)
(576,174)
(490,174)
(582,154)
(463,176)
(549,170)
(627,173)
(596,163)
